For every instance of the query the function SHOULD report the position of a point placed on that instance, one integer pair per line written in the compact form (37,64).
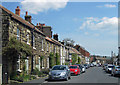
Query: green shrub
(45,71)
(35,71)
(40,73)
(66,63)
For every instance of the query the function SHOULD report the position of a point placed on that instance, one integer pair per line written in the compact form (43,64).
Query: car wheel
(66,78)
(69,76)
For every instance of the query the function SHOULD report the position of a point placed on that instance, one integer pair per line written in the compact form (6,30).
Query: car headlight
(75,70)
(63,73)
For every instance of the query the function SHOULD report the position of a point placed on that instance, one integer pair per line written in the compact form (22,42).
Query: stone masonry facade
(42,43)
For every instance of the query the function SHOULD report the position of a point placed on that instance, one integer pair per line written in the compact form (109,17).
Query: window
(42,44)
(28,39)
(18,64)
(18,34)
(33,41)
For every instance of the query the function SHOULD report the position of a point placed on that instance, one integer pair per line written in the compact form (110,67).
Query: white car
(109,68)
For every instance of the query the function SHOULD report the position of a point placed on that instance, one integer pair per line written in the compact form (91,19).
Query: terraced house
(27,46)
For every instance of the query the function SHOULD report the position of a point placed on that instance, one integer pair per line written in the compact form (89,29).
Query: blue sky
(93,25)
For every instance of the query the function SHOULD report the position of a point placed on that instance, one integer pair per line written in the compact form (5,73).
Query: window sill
(34,48)
(42,49)
(19,70)
(28,43)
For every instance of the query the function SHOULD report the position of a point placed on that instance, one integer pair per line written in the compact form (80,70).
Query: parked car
(115,71)
(109,68)
(86,66)
(74,69)
(104,66)
(91,65)
(83,69)
(59,72)
(80,66)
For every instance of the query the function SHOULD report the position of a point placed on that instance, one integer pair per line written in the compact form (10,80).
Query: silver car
(59,72)
(115,71)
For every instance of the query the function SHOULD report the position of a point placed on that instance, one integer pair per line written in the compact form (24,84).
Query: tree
(69,42)
(79,60)
(57,59)
(74,58)
(51,57)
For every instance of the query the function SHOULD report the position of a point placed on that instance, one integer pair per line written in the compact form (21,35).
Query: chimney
(55,36)
(17,11)
(27,17)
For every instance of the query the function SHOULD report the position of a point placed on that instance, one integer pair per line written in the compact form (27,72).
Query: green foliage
(35,71)
(66,63)
(15,47)
(57,59)
(45,71)
(41,58)
(52,62)
(74,58)
(79,60)
(11,53)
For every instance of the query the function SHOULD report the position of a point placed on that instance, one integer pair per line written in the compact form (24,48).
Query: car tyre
(66,79)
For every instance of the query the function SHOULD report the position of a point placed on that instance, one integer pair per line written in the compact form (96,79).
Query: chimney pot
(17,6)
(37,24)
(17,11)
(26,13)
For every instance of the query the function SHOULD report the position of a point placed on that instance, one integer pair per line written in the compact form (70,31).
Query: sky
(93,25)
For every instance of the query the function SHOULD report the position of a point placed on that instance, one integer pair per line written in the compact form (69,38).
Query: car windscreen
(118,67)
(73,67)
(59,68)
(110,66)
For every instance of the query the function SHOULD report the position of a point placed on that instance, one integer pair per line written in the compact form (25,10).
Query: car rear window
(118,67)
(73,67)
(110,66)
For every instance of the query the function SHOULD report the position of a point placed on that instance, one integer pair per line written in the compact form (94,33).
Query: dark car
(59,72)
(86,66)
(82,67)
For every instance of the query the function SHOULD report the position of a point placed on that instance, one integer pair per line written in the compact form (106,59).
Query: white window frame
(18,62)
(47,62)
(18,34)
(34,42)
(28,39)
(27,64)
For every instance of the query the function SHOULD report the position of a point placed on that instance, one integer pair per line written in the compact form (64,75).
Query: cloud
(35,6)
(101,24)
(107,6)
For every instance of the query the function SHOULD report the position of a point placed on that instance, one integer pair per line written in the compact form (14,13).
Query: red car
(74,69)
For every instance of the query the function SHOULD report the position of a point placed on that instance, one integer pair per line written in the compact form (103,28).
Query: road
(92,75)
